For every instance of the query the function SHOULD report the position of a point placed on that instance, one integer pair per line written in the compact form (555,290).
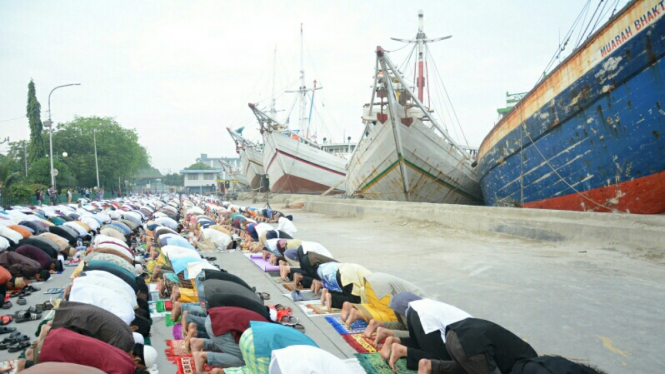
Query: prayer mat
(186,365)
(321,309)
(339,326)
(374,364)
(238,370)
(177,332)
(175,349)
(169,323)
(307,295)
(290,287)
(163,306)
(360,343)
(279,280)
(263,264)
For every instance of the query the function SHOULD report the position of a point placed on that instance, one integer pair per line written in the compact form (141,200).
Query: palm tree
(7,176)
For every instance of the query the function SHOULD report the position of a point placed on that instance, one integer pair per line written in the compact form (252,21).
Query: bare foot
(183,321)
(175,313)
(200,359)
(297,277)
(354,315)
(371,327)
(385,350)
(346,309)
(323,296)
(21,365)
(329,301)
(397,351)
(197,345)
(191,334)
(284,271)
(382,333)
(424,366)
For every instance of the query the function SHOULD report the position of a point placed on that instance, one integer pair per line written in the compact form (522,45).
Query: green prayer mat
(159,306)
(170,323)
(238,370)
(374,364)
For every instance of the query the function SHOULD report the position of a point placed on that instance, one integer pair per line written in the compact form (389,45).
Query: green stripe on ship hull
(381,175)
(436,179)
(418,169)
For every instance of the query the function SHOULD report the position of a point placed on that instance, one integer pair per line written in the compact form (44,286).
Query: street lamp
(50,125)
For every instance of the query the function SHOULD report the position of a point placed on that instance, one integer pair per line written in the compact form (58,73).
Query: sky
(180,72)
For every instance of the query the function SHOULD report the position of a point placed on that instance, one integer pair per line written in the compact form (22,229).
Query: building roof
(206,171)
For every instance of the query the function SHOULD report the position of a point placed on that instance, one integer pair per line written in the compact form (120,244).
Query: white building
(200,181)
(213,162)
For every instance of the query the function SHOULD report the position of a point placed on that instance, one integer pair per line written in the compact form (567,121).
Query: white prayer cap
(149,356)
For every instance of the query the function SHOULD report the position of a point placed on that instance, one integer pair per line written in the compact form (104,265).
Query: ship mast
(302,90)
(421,40)
(273,112)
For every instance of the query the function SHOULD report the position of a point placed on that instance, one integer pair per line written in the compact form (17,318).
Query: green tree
(40,172)
(174,179)
(37,148)
(17,153)
(119,153)
(198,166)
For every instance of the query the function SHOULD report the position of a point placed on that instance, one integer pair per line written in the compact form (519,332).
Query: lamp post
(50,125)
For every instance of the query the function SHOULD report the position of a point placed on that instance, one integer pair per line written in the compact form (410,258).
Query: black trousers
(460,363)
(306,279)
(338,298)
(421,345)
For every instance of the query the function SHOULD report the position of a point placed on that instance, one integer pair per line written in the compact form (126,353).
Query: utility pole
(94,138)
(25,157)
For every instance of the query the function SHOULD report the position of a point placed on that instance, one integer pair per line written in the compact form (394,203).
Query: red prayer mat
(186,366)
(360,343)
(175,349)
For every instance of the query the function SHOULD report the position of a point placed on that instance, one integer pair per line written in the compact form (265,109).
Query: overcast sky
(181,72)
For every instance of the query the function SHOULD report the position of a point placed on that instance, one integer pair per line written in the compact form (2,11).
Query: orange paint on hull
(638,196)
(292,184)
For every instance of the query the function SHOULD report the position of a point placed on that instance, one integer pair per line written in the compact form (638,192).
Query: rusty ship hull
(589,137)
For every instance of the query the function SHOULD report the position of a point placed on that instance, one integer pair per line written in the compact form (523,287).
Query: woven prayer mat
(339,326)
(290,287)
(167,319)
(307,295)
(175,349)
(321,309)
(374,364)
(360,343)
(163,306)
(186,366)
(177,332)
(279,280)
(238,370)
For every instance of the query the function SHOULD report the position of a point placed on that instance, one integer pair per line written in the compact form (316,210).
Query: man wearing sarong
(375,298)
(225,326)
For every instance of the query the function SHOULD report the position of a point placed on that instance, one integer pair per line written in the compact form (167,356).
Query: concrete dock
(598,299)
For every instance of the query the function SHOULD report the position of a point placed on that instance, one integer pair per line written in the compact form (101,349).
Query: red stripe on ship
(303,161)
(644,195)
